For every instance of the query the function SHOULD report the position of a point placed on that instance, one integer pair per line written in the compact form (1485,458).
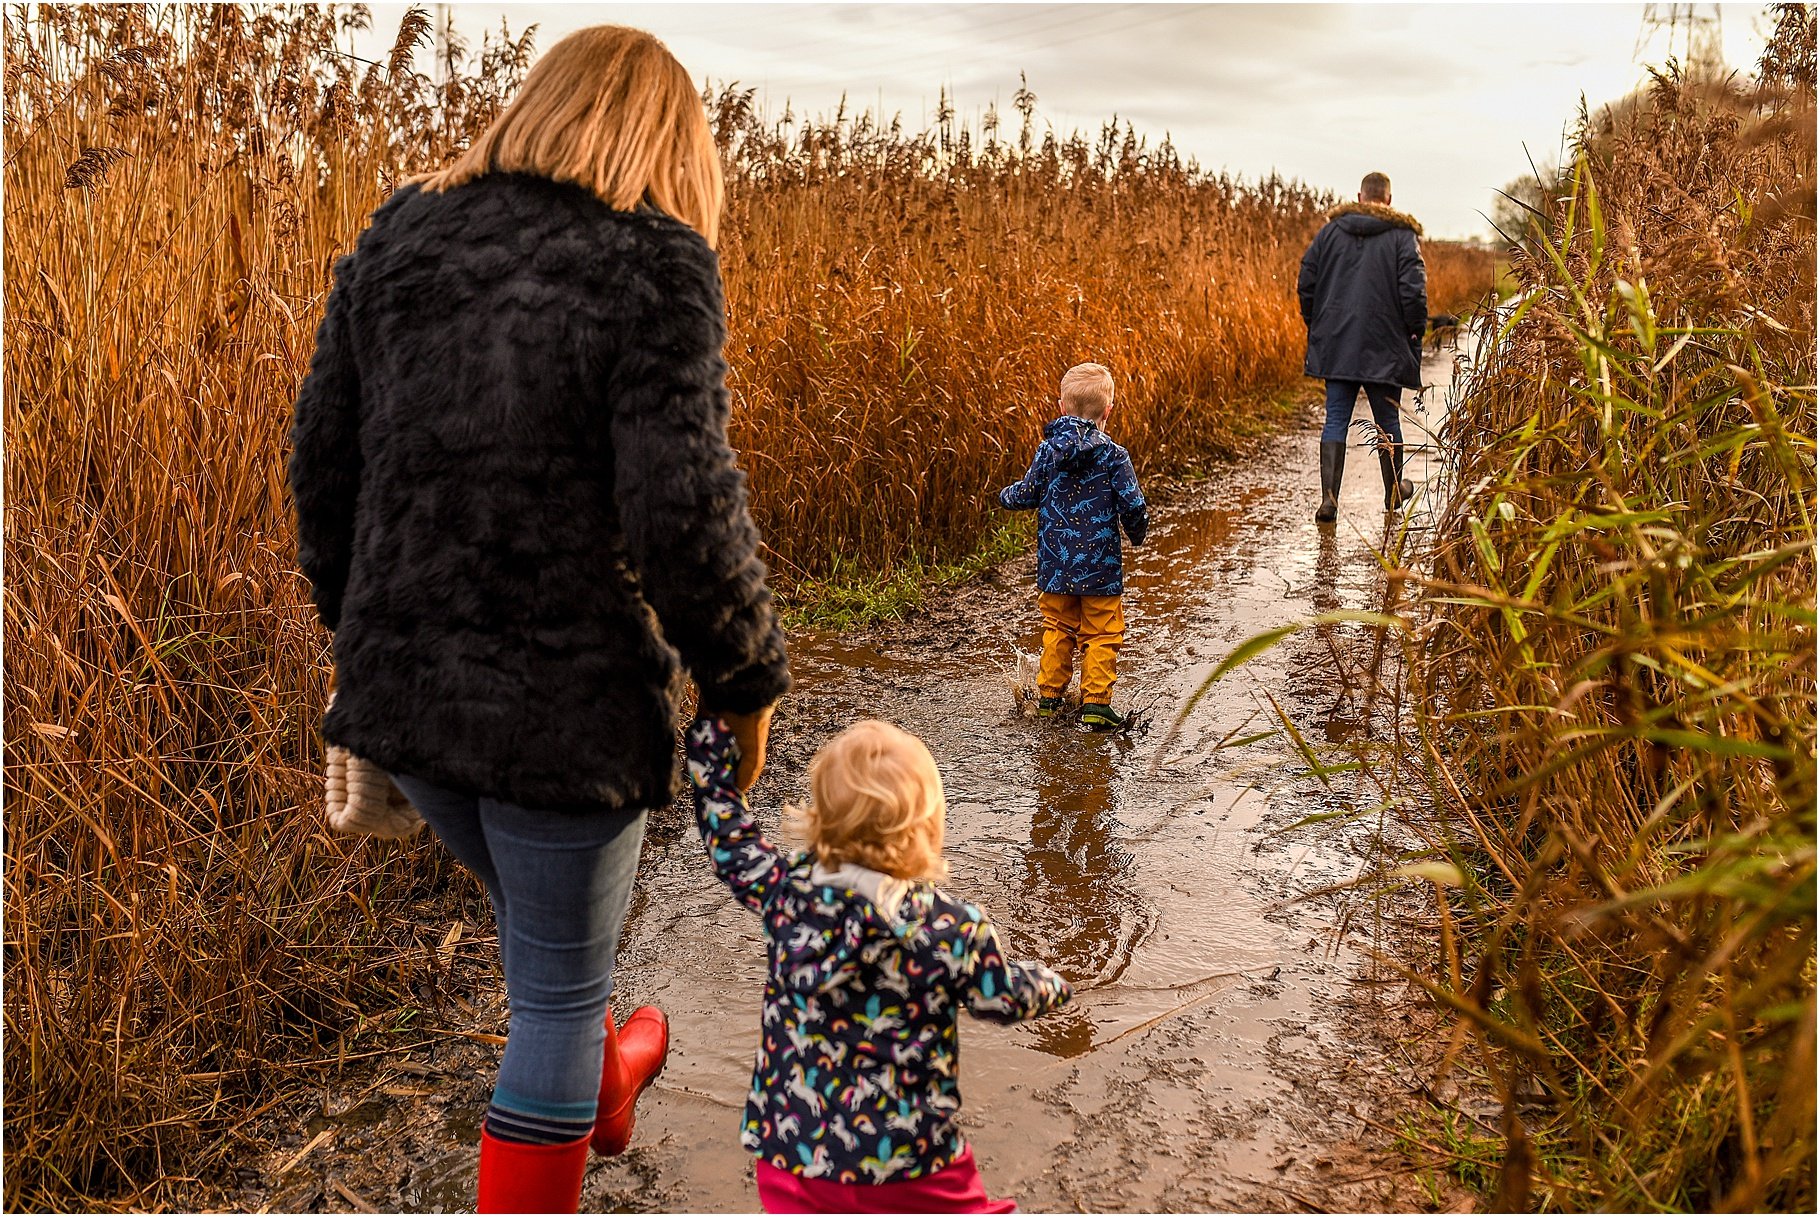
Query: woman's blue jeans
(560,884)
(1342,395)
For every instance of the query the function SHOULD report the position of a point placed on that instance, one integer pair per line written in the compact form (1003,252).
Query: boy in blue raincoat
(1083,489)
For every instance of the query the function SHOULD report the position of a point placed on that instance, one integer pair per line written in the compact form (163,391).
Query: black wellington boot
(1398,489)
(1333,466)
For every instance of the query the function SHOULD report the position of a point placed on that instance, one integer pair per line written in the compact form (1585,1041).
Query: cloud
(1442,96)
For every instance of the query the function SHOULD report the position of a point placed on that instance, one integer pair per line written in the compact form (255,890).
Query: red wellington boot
(635,1056)
(520,1178)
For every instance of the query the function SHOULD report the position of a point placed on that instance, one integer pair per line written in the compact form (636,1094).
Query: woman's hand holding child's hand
(751,732)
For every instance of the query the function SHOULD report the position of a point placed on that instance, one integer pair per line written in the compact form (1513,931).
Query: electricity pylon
(1695,37)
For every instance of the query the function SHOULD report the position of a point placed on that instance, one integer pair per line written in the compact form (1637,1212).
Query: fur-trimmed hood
(1390,216)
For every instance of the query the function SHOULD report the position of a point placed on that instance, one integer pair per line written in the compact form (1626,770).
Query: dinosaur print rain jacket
(857,1077)
(1082,487)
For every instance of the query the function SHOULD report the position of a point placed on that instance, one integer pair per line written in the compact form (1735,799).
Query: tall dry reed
(185,944)
(1618,677)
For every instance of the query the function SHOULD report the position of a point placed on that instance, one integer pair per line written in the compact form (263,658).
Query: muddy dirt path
(1230,1047)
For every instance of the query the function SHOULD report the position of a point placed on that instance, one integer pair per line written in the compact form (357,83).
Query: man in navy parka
(1364,297)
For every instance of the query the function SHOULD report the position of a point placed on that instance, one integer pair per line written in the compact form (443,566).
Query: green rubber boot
(1097,717)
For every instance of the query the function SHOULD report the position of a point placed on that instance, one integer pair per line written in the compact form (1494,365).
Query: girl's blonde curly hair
(876,800)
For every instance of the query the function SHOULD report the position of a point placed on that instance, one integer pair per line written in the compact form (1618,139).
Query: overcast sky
(1442,97)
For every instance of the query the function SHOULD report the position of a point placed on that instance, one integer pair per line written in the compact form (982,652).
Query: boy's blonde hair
(608,108)
(1087,390)
(876,799)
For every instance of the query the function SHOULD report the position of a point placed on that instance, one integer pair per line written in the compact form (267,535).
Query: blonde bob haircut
(608,108)
(876,800)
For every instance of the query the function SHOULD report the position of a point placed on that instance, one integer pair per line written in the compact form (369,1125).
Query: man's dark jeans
(1342,395)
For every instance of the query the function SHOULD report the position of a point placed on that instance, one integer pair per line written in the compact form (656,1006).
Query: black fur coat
(516,505)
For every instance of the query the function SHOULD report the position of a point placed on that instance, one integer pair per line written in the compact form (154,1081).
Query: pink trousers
(956,1188)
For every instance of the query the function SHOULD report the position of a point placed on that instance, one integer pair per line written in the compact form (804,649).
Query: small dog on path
(1443,327)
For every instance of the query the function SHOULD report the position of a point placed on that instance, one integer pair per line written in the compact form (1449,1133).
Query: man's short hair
(1087,389)
(1375,187)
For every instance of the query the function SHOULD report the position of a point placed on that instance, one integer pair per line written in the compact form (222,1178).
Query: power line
(1701,34)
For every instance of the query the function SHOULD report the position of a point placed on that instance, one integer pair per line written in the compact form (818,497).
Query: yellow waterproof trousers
(1094,624)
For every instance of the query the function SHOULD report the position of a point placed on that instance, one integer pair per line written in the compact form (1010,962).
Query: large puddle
(1218,1036)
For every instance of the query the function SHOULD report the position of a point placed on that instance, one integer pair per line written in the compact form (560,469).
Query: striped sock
(510,1118)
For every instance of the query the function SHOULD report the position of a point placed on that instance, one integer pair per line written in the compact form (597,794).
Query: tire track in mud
(1231,1046)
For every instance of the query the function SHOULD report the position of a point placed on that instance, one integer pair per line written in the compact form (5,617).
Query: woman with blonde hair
(520,517)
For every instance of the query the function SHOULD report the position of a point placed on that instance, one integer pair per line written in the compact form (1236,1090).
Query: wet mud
(1232,1044)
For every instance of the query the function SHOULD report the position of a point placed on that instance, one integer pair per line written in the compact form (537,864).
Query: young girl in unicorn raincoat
(856,1084)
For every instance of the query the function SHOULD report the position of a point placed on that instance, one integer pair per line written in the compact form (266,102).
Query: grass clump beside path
(1618,677)
(852,598)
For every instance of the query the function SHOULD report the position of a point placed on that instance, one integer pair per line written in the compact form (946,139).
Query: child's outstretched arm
(1027,495)
(1134,514)
(743,859)
(1002,990)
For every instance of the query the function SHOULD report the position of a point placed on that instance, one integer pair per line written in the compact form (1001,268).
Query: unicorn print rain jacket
(857,1077)
(1082,487)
